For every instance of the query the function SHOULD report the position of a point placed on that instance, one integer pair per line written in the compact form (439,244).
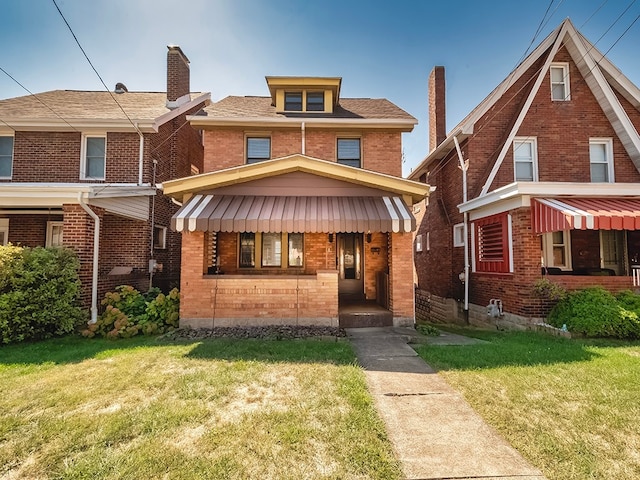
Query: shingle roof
(76,104)
(365,108)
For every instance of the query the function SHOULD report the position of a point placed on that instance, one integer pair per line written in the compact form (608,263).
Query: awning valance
(556,214)
(246,213)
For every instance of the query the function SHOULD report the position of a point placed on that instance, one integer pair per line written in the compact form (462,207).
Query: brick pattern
(177,74)
(437,113)
(29,230)
(401,289)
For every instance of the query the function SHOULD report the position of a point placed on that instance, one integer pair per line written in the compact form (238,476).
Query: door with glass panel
(349,259)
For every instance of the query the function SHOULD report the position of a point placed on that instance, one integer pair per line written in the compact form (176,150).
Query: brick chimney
(437,108)
(177,75)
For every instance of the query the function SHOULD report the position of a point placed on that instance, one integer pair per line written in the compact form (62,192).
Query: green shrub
(428,330)
(128,312)
(39,293)
(595,312)
(548,290)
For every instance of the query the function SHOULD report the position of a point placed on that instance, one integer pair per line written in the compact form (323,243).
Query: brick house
(78,169)
(301,211)
(541,179)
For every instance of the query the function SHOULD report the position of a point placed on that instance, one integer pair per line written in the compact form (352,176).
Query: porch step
(365,319)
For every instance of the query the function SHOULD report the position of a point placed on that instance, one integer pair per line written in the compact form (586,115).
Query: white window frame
(458,235)
(159,237)
(49,238)
(13,146)
(419,243)
(547,250)
(83,156)
(608,144)
(564,67)
(533,141)
(4,229)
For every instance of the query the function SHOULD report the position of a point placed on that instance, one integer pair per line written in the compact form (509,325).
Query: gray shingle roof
(76,104)
(365,108)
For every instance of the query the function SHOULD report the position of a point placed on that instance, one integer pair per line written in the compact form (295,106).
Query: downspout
(464,166)
(304,141)
(152,264)
(96,252)
(140,156)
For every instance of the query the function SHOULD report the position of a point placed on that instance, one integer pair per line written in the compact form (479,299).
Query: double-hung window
(6,156)
(556,250)
(93,163)
(258,149)
(349,152)
(54,234)
(315,101)
(293,101)
(4,231)
(601,159)
(525,159)
(559,73)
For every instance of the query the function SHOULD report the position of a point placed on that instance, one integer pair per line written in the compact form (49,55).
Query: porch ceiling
(246,213)
(556,214)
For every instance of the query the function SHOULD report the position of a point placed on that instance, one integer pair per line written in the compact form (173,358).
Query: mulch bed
(272,332)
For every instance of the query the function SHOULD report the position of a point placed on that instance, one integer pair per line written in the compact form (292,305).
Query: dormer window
(560,82)
(293,101)
(315,101)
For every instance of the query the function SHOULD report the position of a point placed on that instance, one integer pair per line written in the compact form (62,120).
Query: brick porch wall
(401,288)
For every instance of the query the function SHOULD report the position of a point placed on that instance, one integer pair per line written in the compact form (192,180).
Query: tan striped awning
(246,213)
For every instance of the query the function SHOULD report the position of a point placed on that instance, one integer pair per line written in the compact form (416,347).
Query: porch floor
(354,313)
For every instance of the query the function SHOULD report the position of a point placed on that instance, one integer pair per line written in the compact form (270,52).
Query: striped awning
(556,214)
(246,213)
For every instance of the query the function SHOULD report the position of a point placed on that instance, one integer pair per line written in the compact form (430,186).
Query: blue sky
(380,49)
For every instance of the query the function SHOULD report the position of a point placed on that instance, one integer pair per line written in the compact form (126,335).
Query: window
(296,249)
(419,243)
(349,151)
(556,250)
(293,101)
(93,158)
(258,149)
(315,102)
(458,235)
(560,82)
(271,249)
(492,244)
(525,160)
(159,237)
(4,231)
(601,159)
(6,156)
(54,234)
(247,250)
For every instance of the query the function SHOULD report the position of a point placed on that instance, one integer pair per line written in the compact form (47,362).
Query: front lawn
(217,409)
(572,407)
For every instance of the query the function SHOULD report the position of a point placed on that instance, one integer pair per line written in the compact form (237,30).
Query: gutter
(96,251)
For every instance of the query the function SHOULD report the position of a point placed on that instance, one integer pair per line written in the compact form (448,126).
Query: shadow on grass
(297,351)
(75,349)
(506,349)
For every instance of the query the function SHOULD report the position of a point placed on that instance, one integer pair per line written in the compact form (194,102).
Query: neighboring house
(552,159)
(301,211)
(74,164)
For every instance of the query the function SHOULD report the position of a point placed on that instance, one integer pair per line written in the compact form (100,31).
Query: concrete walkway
(435,433)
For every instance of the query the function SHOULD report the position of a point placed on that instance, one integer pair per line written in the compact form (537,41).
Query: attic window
(315,101)
(560,82)
(293,101)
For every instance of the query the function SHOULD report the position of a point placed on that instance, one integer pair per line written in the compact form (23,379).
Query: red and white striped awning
(568,213)
(293,214)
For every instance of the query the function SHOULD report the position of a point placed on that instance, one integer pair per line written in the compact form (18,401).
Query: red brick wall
(401,288)
(46,156)
(374,262)
(29,230)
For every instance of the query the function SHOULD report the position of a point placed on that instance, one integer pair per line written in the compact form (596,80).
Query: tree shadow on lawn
(510,349)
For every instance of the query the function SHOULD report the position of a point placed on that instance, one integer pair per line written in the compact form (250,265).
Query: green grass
(572,407)
(220,409)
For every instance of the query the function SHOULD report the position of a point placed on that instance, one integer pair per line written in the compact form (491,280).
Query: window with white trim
(525,159)
(4,231)
(559,73)
(94,154)
(419,243)
(271,250)
(159,237)
(492,244)
(6,156)
(349,152)
(258,149)
(458,235)
(601,160)
(556,250)
(54,234)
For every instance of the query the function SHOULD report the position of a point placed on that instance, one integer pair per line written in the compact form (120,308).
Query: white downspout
(464,166)
(140,156)
(304,142)
(96,251)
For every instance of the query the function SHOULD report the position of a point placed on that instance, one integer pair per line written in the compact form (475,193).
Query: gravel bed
(277,332)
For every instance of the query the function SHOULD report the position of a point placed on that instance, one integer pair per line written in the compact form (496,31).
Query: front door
(612,250)
(349,259)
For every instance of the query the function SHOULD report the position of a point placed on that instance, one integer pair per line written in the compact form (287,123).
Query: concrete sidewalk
(435,433)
